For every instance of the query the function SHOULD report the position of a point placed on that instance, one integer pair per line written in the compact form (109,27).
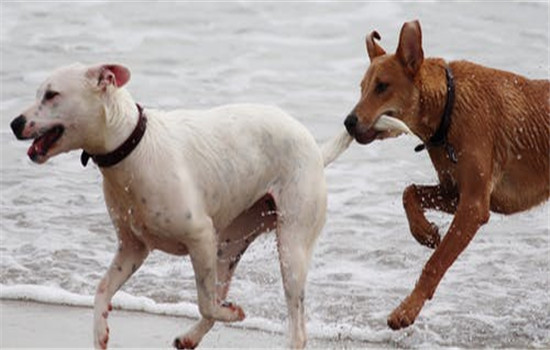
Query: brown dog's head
(388,91)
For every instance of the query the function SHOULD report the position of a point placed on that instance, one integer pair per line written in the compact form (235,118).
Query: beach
(39,325)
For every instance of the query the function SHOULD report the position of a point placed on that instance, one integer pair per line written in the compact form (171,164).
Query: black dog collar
(440,137)
(122,151)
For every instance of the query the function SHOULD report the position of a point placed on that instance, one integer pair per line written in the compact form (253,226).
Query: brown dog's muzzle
(351,123)
(363,135)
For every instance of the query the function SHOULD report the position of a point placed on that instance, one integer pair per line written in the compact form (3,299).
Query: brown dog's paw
(186,343)
(427,235)
(398,320)
(405,314)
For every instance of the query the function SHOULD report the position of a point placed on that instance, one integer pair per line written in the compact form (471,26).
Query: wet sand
(37,325)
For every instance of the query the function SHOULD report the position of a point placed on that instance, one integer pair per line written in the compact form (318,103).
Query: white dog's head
(69,111)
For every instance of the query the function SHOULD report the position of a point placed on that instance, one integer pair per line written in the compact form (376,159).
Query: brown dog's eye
(50,95)
(381,87)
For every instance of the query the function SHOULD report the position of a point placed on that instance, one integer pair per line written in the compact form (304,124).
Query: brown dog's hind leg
(232,243)
(417,199)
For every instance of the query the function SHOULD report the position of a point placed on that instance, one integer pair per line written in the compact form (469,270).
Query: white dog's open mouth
(43,143)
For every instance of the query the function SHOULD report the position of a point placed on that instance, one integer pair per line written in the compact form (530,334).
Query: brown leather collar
(122,151)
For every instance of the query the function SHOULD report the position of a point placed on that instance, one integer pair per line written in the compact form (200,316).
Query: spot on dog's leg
(220,253)
(143,200)
(32,123)
(188,215)
(102,287)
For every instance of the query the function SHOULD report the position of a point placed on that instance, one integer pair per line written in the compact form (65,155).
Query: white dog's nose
(17,126)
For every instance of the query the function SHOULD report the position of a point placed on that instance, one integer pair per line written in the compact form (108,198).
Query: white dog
(203,183)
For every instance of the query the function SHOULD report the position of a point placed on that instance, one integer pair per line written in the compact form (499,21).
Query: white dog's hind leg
(294,255)
(232,243)
(129,257)
(202,250)
(302,215)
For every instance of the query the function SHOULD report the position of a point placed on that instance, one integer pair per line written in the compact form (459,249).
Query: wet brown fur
(500,130)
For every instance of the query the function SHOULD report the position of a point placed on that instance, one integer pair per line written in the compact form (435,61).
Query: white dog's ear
(109,74)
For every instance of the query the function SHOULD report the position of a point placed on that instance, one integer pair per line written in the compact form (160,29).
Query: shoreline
(29,324)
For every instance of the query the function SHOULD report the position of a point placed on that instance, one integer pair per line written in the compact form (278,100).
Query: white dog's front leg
(203,253)
(127,260)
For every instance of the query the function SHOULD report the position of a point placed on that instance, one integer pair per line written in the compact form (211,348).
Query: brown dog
(487,133)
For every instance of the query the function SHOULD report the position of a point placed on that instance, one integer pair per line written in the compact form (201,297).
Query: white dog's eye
(50,95)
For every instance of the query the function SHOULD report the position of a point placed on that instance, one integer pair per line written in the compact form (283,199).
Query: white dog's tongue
(386,123)
(36,149)
(42,144)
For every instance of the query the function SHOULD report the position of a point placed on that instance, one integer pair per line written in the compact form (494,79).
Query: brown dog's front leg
(416,199)
(472,212)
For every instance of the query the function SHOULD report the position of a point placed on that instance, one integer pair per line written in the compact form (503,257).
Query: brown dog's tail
(335,146)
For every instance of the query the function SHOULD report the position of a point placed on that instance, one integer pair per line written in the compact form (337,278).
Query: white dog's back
(231,152)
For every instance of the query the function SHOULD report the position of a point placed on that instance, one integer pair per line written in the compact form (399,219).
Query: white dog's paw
(101,337)
(185,343)
(233,312)
(101,331)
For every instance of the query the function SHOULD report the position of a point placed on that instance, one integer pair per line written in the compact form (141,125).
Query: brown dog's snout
(351,123)
(17,126)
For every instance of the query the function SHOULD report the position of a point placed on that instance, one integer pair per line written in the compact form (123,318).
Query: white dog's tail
(335,146)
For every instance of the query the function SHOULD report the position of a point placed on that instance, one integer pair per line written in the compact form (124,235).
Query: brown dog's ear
(109,74)
(373,49)
(409,51)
